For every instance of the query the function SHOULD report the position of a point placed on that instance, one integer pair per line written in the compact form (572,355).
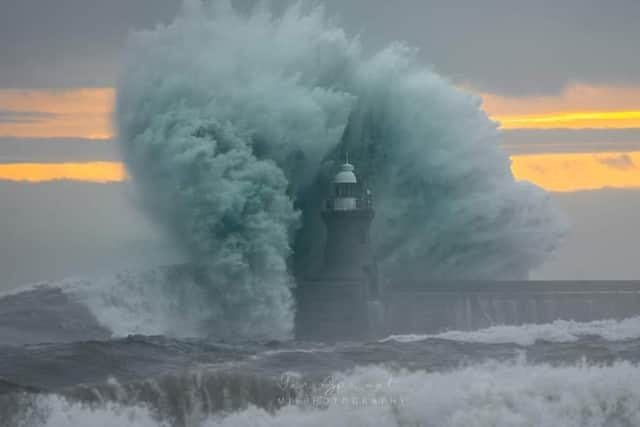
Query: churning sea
(62,365)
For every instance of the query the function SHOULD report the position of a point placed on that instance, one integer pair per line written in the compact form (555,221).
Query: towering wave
(231,122)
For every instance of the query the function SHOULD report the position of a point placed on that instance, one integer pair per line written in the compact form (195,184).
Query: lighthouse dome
(346,175)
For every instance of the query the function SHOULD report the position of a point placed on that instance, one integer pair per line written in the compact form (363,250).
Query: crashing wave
(229,124)
(160,301)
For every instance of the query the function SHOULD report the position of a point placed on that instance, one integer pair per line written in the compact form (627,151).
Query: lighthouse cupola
(345,187)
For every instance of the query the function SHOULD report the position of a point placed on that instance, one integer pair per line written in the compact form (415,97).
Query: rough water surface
(563,373)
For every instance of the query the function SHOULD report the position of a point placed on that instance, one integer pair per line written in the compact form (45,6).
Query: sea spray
(560,331)
(229,123)
(493,394)
(489,394)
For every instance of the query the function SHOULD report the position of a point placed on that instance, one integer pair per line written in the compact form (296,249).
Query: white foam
(159,301)
(60,413)
(526,335)
(28,287)
(491,394)
(151,302)
(148,303)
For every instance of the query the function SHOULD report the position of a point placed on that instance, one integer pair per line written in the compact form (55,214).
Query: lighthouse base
(333,310)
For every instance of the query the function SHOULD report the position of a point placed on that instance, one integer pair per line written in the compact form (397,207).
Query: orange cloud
(562,172)
(77,113)
(568,172)
(98,172)
(86,113)
(577,107)
(584,120)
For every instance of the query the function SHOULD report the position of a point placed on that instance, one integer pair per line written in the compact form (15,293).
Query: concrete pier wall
(438,306)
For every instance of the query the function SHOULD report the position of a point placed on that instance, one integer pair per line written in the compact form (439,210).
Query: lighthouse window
(344,190)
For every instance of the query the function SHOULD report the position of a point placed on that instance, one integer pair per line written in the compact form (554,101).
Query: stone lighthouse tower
(334,305)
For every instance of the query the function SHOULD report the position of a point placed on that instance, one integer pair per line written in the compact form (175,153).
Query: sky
(562,77)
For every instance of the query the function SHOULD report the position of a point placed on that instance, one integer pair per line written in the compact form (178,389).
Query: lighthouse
(334,303)
(347,217)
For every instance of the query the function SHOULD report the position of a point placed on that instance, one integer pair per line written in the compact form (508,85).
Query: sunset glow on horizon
(577,107)
(567,172)
(86,113)
(572,120)
(560,172)
(96,172)
(73,113)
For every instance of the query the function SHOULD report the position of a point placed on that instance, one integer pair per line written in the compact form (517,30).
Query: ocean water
(64,361)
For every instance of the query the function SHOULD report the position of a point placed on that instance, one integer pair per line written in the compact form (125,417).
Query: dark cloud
(59,229)
(602,244)
(506,46)
(622,161)
(514,47)
(531,141)
(17,150)
(70,43)
(8,116)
